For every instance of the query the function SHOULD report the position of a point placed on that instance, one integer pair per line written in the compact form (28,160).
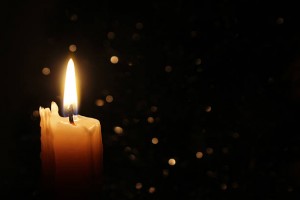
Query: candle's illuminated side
(47,150)
(71,155)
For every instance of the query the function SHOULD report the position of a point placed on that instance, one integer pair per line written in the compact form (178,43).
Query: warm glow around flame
(70,91)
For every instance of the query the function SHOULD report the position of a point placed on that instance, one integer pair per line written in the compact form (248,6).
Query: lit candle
(71,147)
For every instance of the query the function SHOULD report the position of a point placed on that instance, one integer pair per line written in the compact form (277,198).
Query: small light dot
(172,161)
(280,20)
(290,189)
(225,150)
(132,157)
(36,113)
(100,102)
(72,48)
(198,61)
(165,172)
(235,185)
(209,150)
(138,186)
(154,140)
(153,109)
(139,25)
(235,135)
(118,130)
(109,98)
(135,151)
(150,120)
(114,59)
(208,109)
(270,79)
(211,173)
(199,155)
(130,64)
(136,36)
(199,69)
(193,34)
(151,190)
(226,167)
(111,35)
(74,17)
(125,121)
(223,186)
(135,120)
(46,71)
(127,149)
(168,68)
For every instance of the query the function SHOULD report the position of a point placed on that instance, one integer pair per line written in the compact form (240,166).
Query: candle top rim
(80,120)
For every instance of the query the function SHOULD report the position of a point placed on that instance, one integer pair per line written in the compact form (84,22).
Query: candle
(71,147)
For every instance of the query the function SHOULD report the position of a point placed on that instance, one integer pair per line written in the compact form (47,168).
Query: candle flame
(70,92)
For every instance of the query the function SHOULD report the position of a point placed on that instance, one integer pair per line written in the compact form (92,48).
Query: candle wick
(70,112)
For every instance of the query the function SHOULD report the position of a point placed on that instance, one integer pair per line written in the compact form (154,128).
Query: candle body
(71,155)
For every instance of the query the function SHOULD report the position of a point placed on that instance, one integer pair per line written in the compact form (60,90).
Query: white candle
(71,153)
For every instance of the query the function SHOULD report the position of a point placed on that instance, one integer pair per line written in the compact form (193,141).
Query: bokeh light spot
(135,120)
(193,34)
(125,121)
(35,113)
(280,20)
(199,69)
(235,185)
(99,102)
(208,109)
(225,150)
(198,61)
(154,109)
(290,189)
(209,150)
(150,120)
(199,155)
(165,172)
(46,71)
(151,190)
(235,135)
(109,98)
(127,149)
(136,36)
(211,174)
(118,130)
(114,59)
(74,17)
(132,157)
(172,161)
(154,140)
(111,35)
(223,186)
(168,68)
(72,48)
(138,186)
(139,25)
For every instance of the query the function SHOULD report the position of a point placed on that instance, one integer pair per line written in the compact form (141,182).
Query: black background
(233,88)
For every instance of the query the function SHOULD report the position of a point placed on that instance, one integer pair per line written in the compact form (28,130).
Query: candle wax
(71,154)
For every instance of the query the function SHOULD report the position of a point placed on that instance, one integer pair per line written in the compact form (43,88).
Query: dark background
(218,77)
